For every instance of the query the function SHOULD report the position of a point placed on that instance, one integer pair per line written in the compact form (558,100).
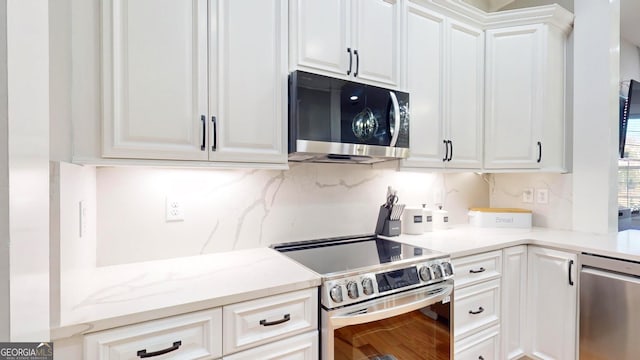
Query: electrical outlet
(542,196)
(174,210)
(527,195)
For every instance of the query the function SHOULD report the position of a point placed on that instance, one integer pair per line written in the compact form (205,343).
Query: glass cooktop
(346,254)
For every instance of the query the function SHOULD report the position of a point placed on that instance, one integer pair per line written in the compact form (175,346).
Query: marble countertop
(466,240)
(112,296)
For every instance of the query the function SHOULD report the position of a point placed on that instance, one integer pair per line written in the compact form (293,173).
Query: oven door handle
(397,306)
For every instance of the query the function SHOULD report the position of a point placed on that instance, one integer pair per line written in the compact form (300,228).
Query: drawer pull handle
(480,309)
(286,318)
(477,271)
(144,354)
(480,357)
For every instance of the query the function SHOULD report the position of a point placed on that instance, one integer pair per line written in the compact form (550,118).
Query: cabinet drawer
(304,347)
(476,307)
(484,345)
(196,335)
(256,322)
(477,268)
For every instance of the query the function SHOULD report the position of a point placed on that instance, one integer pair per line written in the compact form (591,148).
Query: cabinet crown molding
(553,14)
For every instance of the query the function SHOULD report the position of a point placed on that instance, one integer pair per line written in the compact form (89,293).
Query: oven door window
(418,335)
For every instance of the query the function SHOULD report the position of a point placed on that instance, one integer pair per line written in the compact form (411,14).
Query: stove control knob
(336,293)
(352,289)
(425,274)
(448,269)
(437,271)
(367,286)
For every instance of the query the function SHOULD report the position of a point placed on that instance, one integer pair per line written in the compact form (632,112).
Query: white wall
(27,163)
(237,209)
(4,180)
(518,4)
(629,61)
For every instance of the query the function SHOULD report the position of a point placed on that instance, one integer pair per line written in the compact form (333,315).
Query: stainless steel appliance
(609,308)
(335,120)
(380,299)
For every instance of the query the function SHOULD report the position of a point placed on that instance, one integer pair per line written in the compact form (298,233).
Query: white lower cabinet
(514,302)
(476,306)
(283,326)
(482,346)
(196,335)
(300,347)
(552,303)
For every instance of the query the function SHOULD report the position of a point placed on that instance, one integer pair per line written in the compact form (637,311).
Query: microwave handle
(395,130)
(399,306)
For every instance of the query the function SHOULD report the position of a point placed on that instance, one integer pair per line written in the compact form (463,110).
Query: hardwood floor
(412,336)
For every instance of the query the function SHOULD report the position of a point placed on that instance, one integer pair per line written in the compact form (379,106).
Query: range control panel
(353,289)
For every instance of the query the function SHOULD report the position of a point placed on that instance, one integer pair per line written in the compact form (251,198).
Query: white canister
(427,216)
(440,219)
(412,221)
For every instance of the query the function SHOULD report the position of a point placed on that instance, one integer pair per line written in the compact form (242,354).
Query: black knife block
(385,226)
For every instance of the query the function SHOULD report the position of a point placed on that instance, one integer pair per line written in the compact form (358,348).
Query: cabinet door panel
(425,69)
(552,303)
(322,34)
(465,95)
(154,78)
(514,60)
(248,88)
(514,306)
(376,29)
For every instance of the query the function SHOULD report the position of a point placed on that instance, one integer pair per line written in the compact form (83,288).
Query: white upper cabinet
(154,78)
(525,98)
(350,39)
(445,80)
(186,80)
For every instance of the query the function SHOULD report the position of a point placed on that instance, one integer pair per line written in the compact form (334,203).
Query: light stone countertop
(466,240)
(112,296)
(119,295)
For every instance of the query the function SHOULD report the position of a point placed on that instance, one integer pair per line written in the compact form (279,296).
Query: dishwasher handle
(570,268)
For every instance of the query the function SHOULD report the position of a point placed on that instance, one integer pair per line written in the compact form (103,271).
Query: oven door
(413,325)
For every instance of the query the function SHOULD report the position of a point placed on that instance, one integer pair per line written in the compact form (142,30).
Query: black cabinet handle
(480,310)
(446,150)
(477,271)
(350,61)
(286,318)
(539,151)
(204,132)
(570,266)
(144,354)
(450,150)
(480,357)
(214,133)
(355,52)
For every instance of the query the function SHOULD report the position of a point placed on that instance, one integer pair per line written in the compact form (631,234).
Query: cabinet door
(465,89)
(248,83)
(320,35)
(425,71)
(376,38)
(513,97)
(154,55)
(552,303)
(514,306)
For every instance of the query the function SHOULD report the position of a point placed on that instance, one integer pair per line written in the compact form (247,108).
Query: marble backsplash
(238,209)
(506,191)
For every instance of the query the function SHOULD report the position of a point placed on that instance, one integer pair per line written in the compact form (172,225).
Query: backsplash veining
(238,209)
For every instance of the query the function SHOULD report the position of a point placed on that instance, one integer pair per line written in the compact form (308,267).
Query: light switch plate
(542,196)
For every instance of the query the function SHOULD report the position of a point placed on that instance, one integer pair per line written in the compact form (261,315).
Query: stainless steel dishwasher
(609,308)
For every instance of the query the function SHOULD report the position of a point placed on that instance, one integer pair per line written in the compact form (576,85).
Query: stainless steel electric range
(380,299)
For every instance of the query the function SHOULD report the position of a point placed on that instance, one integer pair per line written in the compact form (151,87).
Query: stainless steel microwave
(335,120)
